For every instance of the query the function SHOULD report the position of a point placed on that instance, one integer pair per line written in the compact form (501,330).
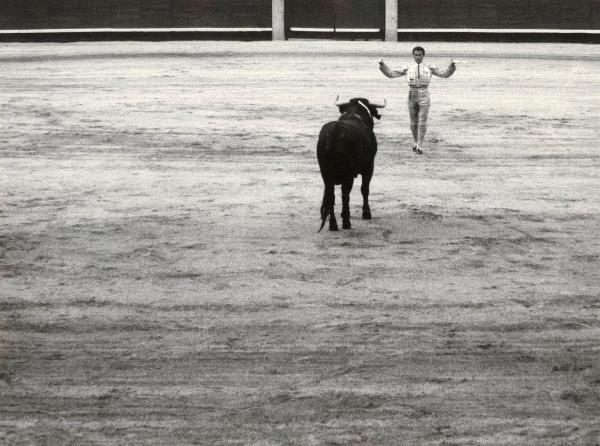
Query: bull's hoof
(333,226)
(367,215)
(346,225)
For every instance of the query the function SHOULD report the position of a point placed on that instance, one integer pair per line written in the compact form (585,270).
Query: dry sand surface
(162,280)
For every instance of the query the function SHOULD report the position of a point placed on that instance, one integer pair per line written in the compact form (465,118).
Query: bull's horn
(337,103)
(379,105)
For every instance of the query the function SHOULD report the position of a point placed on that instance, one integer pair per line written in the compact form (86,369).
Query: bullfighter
(418,76)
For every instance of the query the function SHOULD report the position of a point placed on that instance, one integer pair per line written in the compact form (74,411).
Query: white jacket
(418,75)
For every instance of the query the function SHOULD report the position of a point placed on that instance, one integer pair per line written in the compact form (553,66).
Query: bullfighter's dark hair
(418,48)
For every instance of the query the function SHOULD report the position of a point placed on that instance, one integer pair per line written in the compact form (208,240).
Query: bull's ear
(343,108)
(374,113)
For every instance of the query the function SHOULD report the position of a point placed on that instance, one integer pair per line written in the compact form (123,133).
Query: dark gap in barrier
(517,37)
(152,36)
(337,35)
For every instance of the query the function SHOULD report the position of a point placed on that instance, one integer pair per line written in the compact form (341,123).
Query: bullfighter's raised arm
(444,73)
(389,72)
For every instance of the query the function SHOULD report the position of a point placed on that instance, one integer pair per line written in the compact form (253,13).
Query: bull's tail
(324,215)
(326,155)
(329,155)
(327,207)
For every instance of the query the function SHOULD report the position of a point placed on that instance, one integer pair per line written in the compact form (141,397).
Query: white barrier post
(391,20)
(278,19)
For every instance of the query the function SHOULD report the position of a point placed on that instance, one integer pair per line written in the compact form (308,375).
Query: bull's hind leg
(327,208)
(346,189)
(364,189)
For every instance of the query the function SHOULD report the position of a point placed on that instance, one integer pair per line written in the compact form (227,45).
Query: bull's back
(345,147)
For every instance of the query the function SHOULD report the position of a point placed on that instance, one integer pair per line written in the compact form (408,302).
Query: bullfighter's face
(418,56)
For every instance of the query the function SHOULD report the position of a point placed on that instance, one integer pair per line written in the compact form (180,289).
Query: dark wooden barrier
(57,14)
(366,15)
(335,13)
(500,14)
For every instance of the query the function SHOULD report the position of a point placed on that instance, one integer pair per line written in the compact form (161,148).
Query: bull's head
(359,104)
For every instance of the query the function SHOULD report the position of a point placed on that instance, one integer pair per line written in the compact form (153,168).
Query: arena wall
(58,14)
(557,20)
(500,14)
(530,14)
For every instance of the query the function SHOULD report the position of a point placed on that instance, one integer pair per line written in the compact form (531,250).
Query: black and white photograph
(300,222)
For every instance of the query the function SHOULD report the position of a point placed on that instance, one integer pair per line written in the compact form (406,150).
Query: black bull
(347,148)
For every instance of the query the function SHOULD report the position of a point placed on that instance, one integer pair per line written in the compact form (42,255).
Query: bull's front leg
(346,189)
(364,189)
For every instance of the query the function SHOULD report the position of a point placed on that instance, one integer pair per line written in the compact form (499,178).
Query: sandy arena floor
(162,280)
